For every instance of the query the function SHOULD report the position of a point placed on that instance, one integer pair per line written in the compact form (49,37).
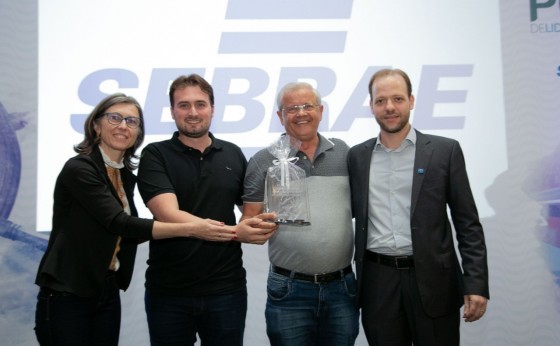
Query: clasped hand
(257,229)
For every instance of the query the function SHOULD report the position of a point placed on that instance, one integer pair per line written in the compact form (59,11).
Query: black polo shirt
(207,185)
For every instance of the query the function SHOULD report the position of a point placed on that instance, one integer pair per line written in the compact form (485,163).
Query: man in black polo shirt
(196,284)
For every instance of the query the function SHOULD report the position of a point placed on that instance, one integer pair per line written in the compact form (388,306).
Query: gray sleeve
(255,176)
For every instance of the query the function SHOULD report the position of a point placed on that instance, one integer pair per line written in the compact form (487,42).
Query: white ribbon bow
(283,162)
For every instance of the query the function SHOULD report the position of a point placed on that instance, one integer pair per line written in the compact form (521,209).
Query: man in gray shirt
(311,286)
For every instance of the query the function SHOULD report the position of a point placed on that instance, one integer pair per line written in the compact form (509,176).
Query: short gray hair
(296,86)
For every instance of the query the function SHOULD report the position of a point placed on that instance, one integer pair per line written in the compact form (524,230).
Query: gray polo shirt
(327,244)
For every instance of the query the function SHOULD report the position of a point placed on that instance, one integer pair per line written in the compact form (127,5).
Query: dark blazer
(439,181)
(88,217)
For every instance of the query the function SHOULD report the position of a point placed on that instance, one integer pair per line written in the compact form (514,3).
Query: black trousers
(392,313)
(62,318)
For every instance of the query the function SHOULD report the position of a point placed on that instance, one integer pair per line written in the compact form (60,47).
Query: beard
(400,126)
(198,131)
(396,128)
(194,134)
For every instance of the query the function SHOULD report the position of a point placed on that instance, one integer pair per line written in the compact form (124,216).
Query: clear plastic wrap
(285,188)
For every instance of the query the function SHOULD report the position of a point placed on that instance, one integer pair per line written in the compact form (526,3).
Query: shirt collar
(324,145)
(109,162)
(409,140)
(216,144)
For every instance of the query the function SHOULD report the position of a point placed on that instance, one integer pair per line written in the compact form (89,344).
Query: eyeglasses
(292,110)
(116,119)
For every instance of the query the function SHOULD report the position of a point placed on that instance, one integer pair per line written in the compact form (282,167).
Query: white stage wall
(486,73)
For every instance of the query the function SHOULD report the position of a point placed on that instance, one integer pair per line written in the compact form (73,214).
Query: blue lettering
(429,95)
(90,93)
(157,98)
(354,107)
(254,110)
(545,28)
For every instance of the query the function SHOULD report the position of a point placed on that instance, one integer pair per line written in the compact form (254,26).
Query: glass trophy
(285,188)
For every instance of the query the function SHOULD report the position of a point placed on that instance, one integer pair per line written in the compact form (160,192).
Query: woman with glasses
(95,231)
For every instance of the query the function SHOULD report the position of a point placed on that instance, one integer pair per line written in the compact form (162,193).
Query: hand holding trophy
(285,189)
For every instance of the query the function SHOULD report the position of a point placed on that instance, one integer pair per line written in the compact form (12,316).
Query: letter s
(90,93)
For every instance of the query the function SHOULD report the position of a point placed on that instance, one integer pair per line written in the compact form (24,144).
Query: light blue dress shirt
(390,190)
